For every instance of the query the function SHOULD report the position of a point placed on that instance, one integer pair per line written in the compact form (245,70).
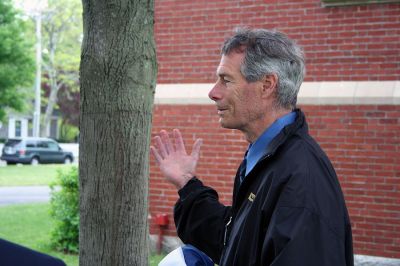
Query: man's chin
(222,122)
(225,124)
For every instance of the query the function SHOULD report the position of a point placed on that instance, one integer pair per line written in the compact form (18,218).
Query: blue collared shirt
(258,148)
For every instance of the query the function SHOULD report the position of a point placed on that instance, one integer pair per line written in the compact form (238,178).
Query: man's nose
(215,93)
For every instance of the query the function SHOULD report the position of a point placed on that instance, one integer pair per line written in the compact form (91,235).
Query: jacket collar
(287,131)
(257,149)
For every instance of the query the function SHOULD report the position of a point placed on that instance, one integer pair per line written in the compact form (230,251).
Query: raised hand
(174,162)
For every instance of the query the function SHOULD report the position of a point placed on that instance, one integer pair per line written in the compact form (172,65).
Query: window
(42,144)
(18,128)
(12,142)
(52,146)
(328,3)
(30,144)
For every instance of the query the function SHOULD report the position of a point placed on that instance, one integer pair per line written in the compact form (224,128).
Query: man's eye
(225,80)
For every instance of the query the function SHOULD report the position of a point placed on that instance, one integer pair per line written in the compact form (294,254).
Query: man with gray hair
(287,207)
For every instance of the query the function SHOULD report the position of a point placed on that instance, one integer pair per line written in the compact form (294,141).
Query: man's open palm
(174,162)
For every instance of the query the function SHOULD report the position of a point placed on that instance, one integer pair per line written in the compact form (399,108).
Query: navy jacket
(289,210)
(15,255)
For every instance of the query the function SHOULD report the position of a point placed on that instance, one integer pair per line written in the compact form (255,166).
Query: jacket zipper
(229,223)
(226,231)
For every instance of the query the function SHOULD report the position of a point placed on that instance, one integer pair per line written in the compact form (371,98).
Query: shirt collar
(258,148)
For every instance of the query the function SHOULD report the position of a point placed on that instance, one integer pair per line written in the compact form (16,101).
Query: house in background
(20,125)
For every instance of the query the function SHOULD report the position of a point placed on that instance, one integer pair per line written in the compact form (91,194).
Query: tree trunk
(52,77)
(118,74)
(50,106)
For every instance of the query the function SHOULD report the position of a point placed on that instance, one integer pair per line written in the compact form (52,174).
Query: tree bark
(118,74)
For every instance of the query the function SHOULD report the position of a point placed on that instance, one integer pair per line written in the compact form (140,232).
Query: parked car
(34,151)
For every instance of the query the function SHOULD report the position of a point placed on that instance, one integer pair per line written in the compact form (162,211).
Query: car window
(30,144)
(12,142)
(52,146)
(42,144)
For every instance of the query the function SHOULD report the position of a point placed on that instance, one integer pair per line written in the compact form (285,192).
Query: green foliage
(68,133)
(65,210)
(62,39)
(16,59)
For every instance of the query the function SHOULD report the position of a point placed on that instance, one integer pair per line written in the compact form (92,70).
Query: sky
(30,6)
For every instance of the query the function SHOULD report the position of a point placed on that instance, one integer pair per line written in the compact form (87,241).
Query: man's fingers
(196,149)
(167,142)
(161,147)
(156,154)
(179,144)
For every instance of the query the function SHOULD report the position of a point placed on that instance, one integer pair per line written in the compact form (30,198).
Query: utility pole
(36,113)
(34,8)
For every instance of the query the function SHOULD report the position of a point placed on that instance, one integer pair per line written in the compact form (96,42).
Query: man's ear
(269,83)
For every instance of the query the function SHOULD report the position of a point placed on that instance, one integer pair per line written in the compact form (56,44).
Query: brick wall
(341,43)
(363,143)
(352,43)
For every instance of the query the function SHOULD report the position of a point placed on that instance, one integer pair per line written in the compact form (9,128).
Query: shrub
(65,210)
(68,133)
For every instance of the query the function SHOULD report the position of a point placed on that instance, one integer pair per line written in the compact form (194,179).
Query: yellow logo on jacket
(252,197)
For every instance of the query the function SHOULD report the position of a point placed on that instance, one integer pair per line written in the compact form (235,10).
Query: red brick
(370,185)
(185,31)
(340,45)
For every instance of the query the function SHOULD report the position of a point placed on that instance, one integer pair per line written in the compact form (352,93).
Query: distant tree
(117,76)
(62,38)
(68,106)
(16,60)
(68,103)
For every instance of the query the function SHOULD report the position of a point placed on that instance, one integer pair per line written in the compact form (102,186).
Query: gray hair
(270,52)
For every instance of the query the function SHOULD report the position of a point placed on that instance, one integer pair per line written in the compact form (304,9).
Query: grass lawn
(28,175)
(30,225)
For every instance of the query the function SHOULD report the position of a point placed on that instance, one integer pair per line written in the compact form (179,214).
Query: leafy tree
(118,75)
(68,103)
(16,60)
(62,35)
(61,41)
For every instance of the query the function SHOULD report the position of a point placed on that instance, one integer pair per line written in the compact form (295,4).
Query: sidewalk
(24,194)
(361,260)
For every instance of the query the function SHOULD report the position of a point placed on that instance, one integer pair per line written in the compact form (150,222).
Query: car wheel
(67,160)
(35,161)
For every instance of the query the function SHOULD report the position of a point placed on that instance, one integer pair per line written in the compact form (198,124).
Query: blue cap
(186,255)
